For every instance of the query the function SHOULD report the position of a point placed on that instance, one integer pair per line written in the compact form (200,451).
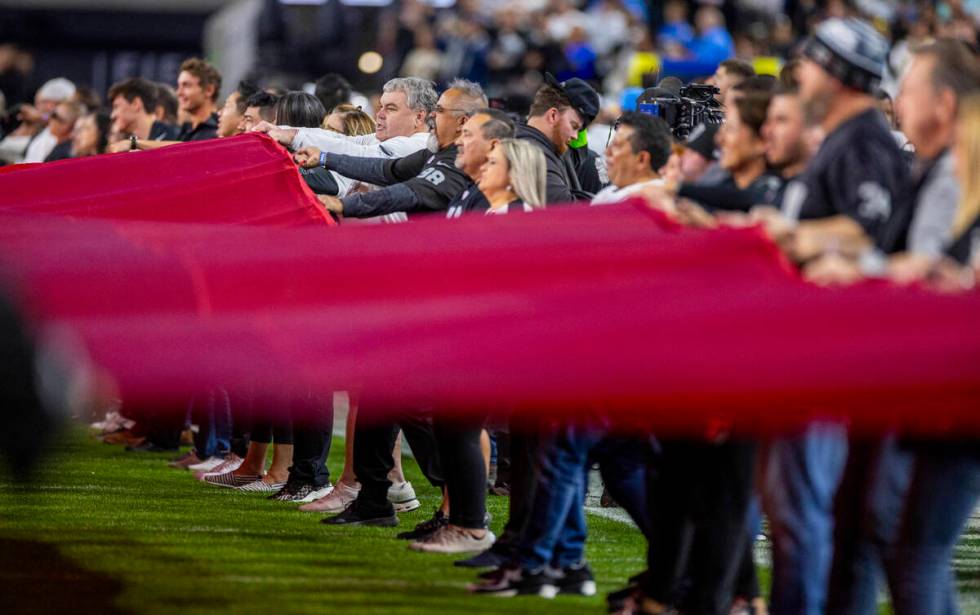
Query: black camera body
(683,108)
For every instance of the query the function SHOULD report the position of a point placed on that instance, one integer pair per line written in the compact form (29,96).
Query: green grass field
(108,531)
(105,531)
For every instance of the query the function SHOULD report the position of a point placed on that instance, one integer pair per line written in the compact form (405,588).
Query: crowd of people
(849,183)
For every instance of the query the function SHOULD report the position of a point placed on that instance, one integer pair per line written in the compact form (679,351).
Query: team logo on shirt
(433,175)
(876,202)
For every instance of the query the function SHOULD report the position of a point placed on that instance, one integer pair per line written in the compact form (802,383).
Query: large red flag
(247,179)
(555,312)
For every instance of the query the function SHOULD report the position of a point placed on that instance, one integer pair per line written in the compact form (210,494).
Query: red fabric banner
(563,311)
(247,179)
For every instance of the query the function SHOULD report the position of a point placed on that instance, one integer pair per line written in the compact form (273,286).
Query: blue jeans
(555,529)
(211,413)
(799,477)
(945,488)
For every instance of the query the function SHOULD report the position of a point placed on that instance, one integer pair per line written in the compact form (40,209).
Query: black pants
(279,430)
(241,425)
(523,448)
(698,506)
(466,475)
(164,429)
(374,437)
(312,436)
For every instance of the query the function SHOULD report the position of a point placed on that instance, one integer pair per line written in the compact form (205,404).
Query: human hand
(307,157)
(331,203)
(907,268)
(832,270)
(691,214)
(30,114)
(119,146)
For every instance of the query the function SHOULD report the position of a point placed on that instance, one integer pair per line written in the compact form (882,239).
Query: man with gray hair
(51,94)
(401,125)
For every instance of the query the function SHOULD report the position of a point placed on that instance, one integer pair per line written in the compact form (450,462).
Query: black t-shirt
(208,129)
(468,201)
(859,172)
(161,131)
(727,196)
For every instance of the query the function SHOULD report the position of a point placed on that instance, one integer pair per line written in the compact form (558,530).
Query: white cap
(59,89)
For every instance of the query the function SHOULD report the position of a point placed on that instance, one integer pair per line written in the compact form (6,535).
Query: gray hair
(499,126)
(471,96)
(420,94)
(527,172)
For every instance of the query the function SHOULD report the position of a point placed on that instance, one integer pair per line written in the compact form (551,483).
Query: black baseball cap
(584,99)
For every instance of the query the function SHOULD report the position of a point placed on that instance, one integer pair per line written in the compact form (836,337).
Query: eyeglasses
(440,109)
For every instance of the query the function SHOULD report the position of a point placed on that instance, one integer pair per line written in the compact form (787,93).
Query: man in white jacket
(402,127)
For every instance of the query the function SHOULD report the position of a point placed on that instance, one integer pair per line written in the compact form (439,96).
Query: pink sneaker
(337,500)
(231,463)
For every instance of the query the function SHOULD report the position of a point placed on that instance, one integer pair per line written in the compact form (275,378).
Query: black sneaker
(426,528)
(351,516)
(496,556)
(511,582)
(576,580)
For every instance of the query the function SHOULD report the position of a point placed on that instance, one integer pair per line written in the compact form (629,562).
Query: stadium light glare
(370,62)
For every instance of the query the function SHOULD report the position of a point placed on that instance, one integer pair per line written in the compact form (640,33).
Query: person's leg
(312,437)
(721,530)
(241,423)
(221,419)
(347,476)
(944,492)
(486,449)
(799,477)
(200,413)
(671,493)
(397,474)
(416,424)
(458,441)
(623,466)
(867,510)
(372,462)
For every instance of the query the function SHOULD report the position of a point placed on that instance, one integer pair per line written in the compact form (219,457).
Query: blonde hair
(527,170)
(968,146)
(355,122)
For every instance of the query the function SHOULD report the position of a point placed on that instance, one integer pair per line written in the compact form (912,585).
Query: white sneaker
(402,497)
(231,463)
(452,539)
(207,465)
(336,501)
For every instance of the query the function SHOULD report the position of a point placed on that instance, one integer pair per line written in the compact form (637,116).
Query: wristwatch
(132,143)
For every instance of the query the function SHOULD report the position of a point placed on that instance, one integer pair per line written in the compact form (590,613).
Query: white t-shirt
(611,194)
(364,146)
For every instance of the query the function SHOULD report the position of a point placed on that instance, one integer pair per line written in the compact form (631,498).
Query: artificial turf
(103,530)
(100,530)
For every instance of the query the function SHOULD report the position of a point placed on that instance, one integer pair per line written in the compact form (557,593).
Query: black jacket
(419,182)
(562,184)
